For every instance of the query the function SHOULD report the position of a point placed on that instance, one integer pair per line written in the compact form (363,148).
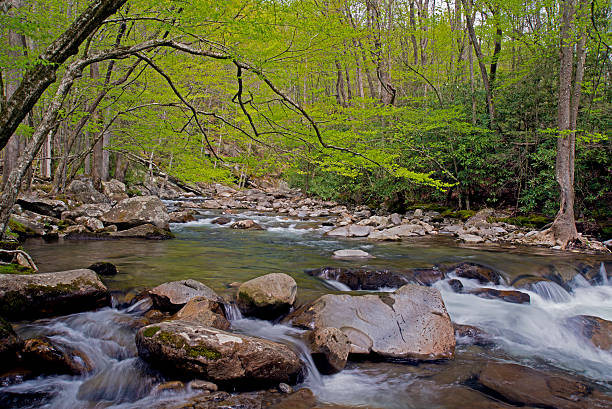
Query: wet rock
(45,357)
(411,322)
(267,296)
(114,190)
(91,223)
(300,399)
(10,344)
(41,295)
(25,227)
(47,207)
(172,386)
(82,190)
(183,216)
(144,231)
(512,296)
(526,281)
(137,211)
(425,276)
(329,348)
(339,232)
(284,388)
(597,330)
(173,296)
(455,285)
(352,254)
(221,220)
(405,230)
(361,278)
(525,386)
(180,347)
(383,235)
(483,274)
(246,225)
(198,384)
(204,311)
(104,268)
(474,334)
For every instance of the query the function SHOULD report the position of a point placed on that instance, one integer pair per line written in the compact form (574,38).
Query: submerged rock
(221,220)
(204,311)
(482,274)
(513,296)
(104,268)
(42,295)
(329,348)
(411,322)
(173,296)
(267,296)
(183,216)
(525,386)
(352,254)
(184,348)
(137,211)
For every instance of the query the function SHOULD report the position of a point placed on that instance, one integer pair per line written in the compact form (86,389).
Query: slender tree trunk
(570,83)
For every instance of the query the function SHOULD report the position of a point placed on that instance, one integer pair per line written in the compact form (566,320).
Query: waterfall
(550,291)
(604,274)
(232,312)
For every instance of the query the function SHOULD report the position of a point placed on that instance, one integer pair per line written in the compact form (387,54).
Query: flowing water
(539,334)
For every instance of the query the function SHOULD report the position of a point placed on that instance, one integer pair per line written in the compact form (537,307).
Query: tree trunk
(563,228)
(36,79)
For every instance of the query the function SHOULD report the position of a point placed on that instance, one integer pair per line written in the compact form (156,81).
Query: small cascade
(337,285)
(604,275)
(579,282)
(232,312)
(283,334)
(551,291)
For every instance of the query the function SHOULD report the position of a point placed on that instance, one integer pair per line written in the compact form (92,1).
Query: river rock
(352,253)
(383,235)
(361,278)
(198,384)
(473,334)
(86,210)
(597,330)
(136,211)
(114,190)
(91,223)
(246,225)
(173,296)
(47,207)
(411,322)
(525,386)
(46,357)
(192,350)
(484,275)
(183,216)
(104,268)
(471,238)
(479,220)
(329,348)
(513,296)
(267,296)
(83,190)
(221,220)
(204,311)
(405,230)
(10,343)
(144,231)
(339,232)
(41,295)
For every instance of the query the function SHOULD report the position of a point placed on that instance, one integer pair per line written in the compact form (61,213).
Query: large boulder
(361,278)
(411,322)
(46,357)
(188,349)
(267,296)
(525,386)
(482,274)
(204,311)
(136,211)
(513,296)
(47,207)
(86,210)
(83,190)
(41,295)
(173,296)
(114,190)
(329,348)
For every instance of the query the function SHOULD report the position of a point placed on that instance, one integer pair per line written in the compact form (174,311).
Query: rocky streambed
(255,308)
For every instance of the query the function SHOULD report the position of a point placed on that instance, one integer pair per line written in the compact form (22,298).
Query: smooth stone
(246,225)
(329,348)
(352,254)
(512,296)
(204,311)
(136,211)
(267,296)
(173,296)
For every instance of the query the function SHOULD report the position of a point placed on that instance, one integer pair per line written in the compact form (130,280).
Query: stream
(537,334)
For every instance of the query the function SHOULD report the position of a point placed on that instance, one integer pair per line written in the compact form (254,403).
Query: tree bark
(36,79)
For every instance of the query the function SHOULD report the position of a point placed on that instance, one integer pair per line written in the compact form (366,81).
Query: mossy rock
(10,245)
(459,214)
(435,207)
(532,221)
